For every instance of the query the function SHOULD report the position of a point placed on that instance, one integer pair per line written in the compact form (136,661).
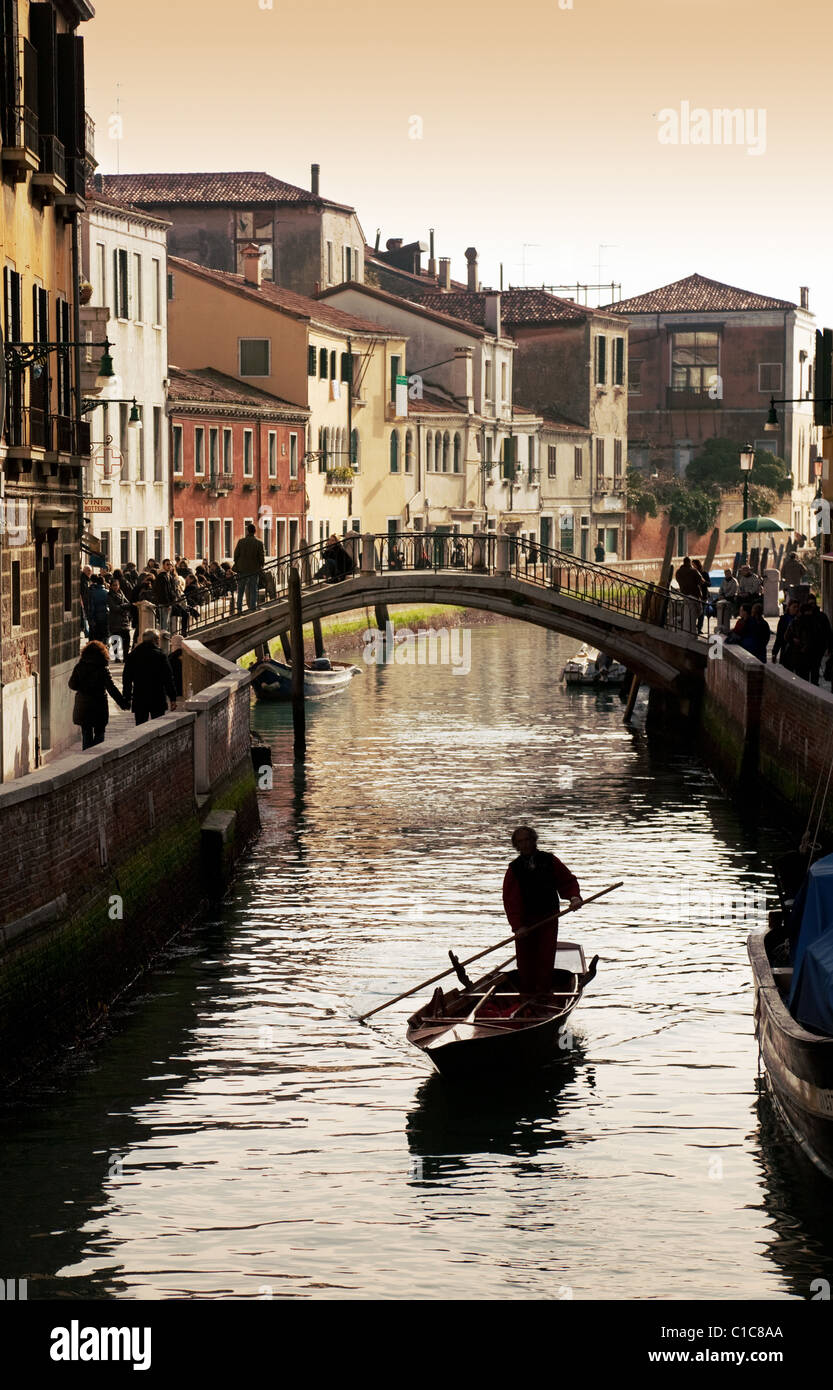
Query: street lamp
(747,462)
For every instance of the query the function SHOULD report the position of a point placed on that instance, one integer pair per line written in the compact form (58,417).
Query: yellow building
(311,354)
(46,154)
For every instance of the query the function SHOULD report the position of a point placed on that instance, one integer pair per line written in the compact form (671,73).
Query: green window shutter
(311,361)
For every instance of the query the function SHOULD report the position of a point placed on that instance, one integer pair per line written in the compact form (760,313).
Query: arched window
(409,451)
(429,452)
(458,453)
(354,450)
(394,451)
(446,451)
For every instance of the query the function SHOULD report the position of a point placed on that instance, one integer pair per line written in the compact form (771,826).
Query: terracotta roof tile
(249,188)
(298,305)
(696,294)
(215,388)
(518,307)
(414,306)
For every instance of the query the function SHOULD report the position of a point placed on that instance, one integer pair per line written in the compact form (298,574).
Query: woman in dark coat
(92,683)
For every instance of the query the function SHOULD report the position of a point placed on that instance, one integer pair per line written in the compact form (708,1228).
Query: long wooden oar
(488,950)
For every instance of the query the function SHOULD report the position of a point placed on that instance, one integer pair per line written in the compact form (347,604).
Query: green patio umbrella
(759,523)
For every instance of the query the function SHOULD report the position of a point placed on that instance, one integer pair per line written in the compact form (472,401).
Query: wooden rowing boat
(798,1060)
(489,1027)
(272,680)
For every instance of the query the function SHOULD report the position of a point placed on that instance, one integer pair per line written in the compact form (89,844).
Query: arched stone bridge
(650,630)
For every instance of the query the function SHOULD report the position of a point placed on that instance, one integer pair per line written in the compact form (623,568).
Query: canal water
(236,1133)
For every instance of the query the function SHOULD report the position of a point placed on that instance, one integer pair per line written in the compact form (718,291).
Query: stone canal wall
(768,734)
(108,853)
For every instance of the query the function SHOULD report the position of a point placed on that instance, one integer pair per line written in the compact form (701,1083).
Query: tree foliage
(718,465)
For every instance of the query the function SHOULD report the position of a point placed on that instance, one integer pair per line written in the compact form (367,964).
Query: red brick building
(237,455)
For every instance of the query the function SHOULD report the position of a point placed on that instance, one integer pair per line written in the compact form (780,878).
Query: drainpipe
(76,365)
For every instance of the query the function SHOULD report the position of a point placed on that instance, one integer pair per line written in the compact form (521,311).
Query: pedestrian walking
(148,679)
(118,610)
(249,559)
(814,640)
(92,683)
(97,610)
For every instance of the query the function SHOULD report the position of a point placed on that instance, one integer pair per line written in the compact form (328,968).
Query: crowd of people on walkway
(803,637)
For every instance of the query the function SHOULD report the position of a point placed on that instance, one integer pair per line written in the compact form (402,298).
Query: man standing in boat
(531,890)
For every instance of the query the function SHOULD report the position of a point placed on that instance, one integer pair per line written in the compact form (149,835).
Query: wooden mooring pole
(317,637)
(380,611)
(296,637)
(285,647)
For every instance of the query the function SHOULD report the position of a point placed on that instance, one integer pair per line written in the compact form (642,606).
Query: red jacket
(555,876)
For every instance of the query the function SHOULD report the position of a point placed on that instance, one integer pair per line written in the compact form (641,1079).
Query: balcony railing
(53,157)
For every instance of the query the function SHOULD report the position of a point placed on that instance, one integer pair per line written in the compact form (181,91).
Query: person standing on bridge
(249,559)
(689,583)
(531,889)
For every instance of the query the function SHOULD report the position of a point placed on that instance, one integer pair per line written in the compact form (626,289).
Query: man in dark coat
(165,593)
(814,639)
(785,649)
(249,559)
(97,610)
(148,679)
(531,891)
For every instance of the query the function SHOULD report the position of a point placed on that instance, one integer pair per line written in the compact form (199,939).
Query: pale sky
(540,125)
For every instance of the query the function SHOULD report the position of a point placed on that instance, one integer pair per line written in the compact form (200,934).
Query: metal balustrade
(484,554)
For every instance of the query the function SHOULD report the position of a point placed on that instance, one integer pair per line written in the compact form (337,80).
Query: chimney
(492,312)
(98,183)
(393,243)
(471,258)
(252,265)
(805,297)
(313,183)
(432,264)
(445,272)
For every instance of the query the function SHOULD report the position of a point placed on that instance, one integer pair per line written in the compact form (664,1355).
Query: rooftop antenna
(118,127)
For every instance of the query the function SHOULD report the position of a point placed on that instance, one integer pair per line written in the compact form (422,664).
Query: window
(503,379)
(617,460)
(567,542)
(329,262)
(601,360)
(105,545)
(254,356)
(489,388)
(429,452)
(694,362)
(248,453)
(199,450)
(124,442)
(332,366)
(101,272)
(618,361)
(346,366)
(158,537)
(354,450)
(394,451)
(170,285)
(63,366)
(578,462)
(157,443)
(124,548)
(139,435)
(213,453)
(199,540)
(348,262)
(310,361)
(552,460)
(176,446)
(635,377)
(138,289)
(273,454)
(178,537)
(531,457)
(323,449)
(409,451)
(120,287)
(458,454)
(228,539)
(600,462)
(770,375)
(446,451)
(228,454)
(267,538)
(489,448)
(156,291)
(293,455)
(322,363)
(395,367)
(510,448)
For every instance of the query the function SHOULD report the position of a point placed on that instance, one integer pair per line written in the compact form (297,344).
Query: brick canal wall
(109,853)
(768,734)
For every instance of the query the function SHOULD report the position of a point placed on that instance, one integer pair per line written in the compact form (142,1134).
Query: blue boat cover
(811,996)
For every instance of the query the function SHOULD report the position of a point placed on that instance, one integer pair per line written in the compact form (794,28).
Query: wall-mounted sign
(97,504)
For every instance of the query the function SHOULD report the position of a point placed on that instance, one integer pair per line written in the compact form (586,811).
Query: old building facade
(46,153)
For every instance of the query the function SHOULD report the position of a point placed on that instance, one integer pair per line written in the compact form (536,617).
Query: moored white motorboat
(592,667)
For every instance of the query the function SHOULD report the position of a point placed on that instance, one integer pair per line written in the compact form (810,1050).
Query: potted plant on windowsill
(340,477)
(249,485)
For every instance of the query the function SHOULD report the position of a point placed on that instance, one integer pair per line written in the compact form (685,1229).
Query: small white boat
(592,667)
(272,680)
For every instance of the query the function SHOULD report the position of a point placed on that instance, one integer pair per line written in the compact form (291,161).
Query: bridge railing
(336,560)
